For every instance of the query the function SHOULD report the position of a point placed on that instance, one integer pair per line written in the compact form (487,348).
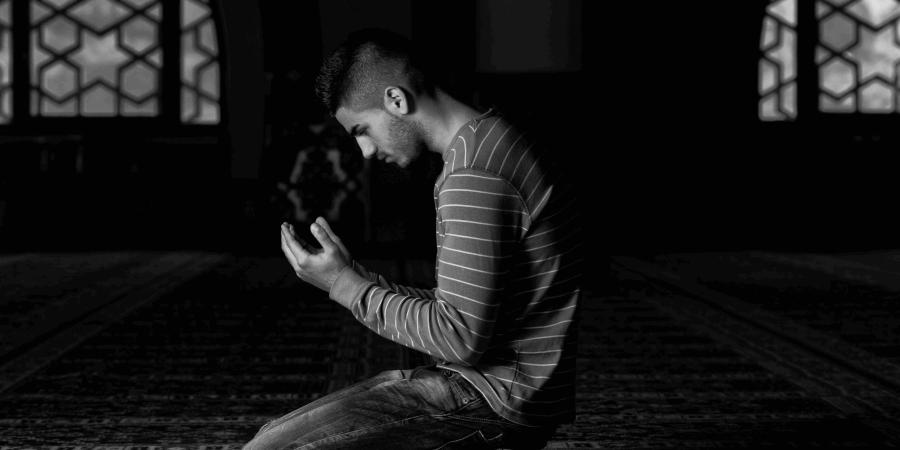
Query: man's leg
(397,409)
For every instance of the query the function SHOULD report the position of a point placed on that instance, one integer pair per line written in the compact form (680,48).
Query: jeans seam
(339,435)
(299,411)
(462,439)
(335,436)
(476,419)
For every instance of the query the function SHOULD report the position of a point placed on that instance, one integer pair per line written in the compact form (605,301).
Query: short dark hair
(357,72)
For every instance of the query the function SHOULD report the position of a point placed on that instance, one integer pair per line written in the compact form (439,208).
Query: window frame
(807,77)
(167,123)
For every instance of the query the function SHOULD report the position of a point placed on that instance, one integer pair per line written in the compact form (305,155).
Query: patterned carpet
(197,350)
(795,386)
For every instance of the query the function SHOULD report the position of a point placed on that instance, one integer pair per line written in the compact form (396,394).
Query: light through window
(856,57)
(105,58)
(5,62)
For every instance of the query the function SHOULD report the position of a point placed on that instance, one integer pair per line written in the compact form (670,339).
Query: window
(199,63)
(110,58)
(777,68)
(5,54)
(856,55)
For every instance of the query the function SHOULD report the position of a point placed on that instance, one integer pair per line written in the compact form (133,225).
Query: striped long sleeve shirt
(508,269)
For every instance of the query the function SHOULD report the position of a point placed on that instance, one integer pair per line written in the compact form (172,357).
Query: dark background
(652,108)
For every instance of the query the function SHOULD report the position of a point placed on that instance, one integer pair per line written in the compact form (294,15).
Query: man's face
(381,134)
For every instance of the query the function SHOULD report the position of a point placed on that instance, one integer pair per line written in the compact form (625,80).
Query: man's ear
(397,101)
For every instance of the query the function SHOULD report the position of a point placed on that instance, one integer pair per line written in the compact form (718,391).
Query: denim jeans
(421,408)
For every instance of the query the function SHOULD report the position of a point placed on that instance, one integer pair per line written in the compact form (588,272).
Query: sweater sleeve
(385,283)
(481,220)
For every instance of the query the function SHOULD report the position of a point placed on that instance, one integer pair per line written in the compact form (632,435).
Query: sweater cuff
(365,273)
(349,287)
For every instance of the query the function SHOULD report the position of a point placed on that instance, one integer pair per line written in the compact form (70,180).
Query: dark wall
(673,102)
(685,163)
(651,108)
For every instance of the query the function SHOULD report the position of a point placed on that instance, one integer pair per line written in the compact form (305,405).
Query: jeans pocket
(476,439)
(464,392)
(409,374)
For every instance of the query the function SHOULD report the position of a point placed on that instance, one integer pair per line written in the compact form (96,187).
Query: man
(501,322)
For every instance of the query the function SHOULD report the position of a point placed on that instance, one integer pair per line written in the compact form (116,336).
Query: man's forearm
(385,283)
(429,325)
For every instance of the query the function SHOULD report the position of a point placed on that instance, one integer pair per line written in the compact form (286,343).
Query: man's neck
(448,116)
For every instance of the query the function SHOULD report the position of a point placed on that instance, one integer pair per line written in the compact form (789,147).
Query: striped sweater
(508,269)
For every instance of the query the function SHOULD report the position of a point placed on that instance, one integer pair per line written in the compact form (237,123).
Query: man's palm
(317,267)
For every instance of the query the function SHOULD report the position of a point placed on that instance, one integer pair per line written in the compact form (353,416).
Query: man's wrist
(348,287)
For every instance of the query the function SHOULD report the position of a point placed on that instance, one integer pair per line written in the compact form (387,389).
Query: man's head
(372,85)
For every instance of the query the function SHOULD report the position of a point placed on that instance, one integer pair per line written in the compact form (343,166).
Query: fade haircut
(358,71)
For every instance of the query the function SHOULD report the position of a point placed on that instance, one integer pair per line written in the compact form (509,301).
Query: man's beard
(406,139)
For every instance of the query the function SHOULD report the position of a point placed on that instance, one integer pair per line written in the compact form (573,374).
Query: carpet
(197,351)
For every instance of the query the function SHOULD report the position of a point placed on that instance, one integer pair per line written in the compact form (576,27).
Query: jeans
(421,408)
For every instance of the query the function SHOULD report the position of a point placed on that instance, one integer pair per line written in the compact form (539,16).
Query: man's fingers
(287,251)
(322,236)
(324,224)
(294,247)
(304,244)
(334,237)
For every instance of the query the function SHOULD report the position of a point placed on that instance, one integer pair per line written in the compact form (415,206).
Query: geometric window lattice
(777,66)
(105,58)
(5,62)
(857,56)
(199,64)
(95,57)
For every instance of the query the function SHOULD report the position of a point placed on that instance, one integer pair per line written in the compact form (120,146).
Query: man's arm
(482,220)
(295,248)
(387,284)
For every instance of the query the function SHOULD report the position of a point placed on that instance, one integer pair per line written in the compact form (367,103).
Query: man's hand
(319,267)
(334,238)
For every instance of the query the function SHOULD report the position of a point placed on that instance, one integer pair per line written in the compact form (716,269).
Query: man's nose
(368,150)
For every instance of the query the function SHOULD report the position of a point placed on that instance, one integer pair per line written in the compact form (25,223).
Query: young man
(501,322)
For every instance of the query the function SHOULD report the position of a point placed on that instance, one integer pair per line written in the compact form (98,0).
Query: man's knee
(257,444)
(278,432)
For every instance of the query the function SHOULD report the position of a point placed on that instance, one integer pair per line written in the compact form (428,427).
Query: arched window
(852,64)
(152,60)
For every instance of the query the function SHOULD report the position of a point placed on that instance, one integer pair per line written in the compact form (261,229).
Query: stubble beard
(407,139)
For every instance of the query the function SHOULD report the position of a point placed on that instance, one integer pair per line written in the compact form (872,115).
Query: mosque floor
(198,350)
